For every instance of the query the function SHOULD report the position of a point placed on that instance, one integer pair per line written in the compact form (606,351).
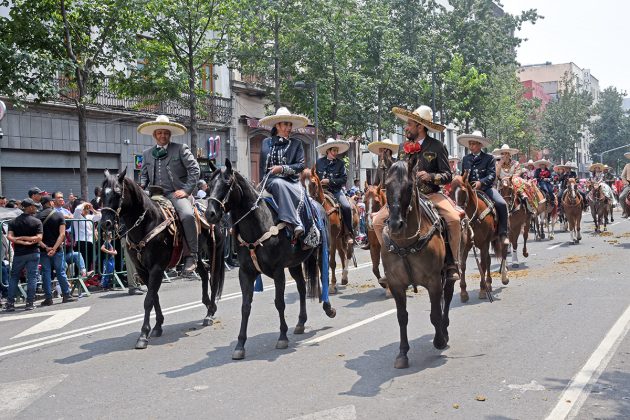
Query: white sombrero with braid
(422,115)
(284,115)
(161,123)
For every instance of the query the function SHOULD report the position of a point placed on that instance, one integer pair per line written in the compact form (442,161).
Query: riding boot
(190,264)
(452,258)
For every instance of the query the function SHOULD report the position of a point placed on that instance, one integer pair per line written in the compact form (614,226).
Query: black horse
(124,201)
(228,191)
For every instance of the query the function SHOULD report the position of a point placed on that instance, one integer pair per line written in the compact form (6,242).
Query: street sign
(214,144)
(137,161)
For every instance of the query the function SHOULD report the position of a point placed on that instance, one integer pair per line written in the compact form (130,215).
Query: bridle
(118,210)
(233,182)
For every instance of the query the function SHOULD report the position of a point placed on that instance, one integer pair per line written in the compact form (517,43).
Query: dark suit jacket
(482,168)
(292,159)
(434,160)
(180,161)
(334,170)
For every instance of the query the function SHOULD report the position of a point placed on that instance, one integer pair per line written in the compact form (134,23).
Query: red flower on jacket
(412,147)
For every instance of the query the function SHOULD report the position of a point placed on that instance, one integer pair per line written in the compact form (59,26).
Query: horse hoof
(142,343)
(344,281)
(330,312)
(156,332)
(463,296)
(332,290)
(388,293)
(505,281)
(525,254)
(282,344)
(402,362)
(482,294)
(515,265)
(207,321)
(299,329)
(439,344)
(238,354)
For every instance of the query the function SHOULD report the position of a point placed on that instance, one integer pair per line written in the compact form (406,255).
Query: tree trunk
(379,110)
(193,109)
(83,155)
(276,61)
(335,94)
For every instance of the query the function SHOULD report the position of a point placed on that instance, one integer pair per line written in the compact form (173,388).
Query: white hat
(555,168)
(283,115)
(465,139)
(453,159)
(387,144)
(570,165)
(529,162)
(342,145)
(626,155)
(161,123)
(505,149)
(422,115)
(540,162)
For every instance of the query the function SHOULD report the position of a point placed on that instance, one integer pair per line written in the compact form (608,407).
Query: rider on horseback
(569,172)
(543,176)
(623,195)
(506,167)
(282,157)
(482,174)
(433,172)
(332,173)
(173,167)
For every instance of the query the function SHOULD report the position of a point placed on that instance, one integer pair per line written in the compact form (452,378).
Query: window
(207,78)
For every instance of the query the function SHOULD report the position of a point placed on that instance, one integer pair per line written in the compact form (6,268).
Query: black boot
(46,302)
(190,265)
(67,298)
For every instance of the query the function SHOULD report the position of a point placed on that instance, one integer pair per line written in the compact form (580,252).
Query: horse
(519,217)
(599,206)
(572,203)
(151,247)
(483,223)
(338,244)
(374,199)
(413,254)
(547,215)
(267,248)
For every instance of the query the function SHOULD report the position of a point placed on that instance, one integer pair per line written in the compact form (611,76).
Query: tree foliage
(610,127)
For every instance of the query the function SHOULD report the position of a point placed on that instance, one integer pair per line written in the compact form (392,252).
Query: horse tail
(498,249)
(218,261)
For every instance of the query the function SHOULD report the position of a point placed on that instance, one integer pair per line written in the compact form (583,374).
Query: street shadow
(172,333)
(258,348)
(359,299)
(376,367)
(624,245)
(473,295)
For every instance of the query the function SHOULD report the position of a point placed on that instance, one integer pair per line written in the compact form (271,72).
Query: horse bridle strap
(273,231)
(154,232)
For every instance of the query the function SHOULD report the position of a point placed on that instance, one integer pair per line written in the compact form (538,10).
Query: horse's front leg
(399,293)
(298,276)
(435,295)
(143,340)
(246,280)
(525,237)
(345,258)
(205,299)
(514,241)
(279,281)
(375,255)
(463,294)
(332,263)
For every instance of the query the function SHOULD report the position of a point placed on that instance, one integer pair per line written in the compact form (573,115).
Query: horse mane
(399,170)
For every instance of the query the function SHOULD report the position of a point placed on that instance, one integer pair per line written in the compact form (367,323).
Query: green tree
(463,89)
(65,48)
(565,120)
(609,127)
(182,40)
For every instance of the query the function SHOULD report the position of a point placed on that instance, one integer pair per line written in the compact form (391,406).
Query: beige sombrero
(505,149)
(342,145)
(465,139)
(545,162)
(386,144)
(161,123)
(284,115)
(453,159)
(596,166)
(565,167)
(422,115)
(529,162)
(570,165)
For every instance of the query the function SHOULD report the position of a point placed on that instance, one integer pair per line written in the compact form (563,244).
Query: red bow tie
(412,147)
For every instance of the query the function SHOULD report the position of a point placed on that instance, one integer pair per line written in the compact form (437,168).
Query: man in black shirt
(52,245)
(25,231)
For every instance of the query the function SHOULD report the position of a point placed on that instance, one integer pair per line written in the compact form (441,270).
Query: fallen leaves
(480,397)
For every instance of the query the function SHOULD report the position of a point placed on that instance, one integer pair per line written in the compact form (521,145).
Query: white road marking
(532,386)
(346,412)
(555,246)
(348,328)
(55,338)
(574,396)
(16,396)
(58,319)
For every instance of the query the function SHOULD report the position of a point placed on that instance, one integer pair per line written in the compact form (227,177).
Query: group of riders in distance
(423,217)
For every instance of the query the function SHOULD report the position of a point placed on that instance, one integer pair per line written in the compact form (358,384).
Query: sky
(592,34)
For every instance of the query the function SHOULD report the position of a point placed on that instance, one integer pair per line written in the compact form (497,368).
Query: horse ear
(212,166)
(122,175)
(106,172)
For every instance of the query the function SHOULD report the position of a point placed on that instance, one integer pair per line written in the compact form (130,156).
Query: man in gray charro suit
(173,167)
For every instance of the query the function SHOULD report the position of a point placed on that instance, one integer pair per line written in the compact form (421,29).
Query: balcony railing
(213,109)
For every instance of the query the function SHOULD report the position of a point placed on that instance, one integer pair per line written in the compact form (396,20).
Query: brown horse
(413,254)
(547,215)
(599,206)
(374,200)
(337,235)
(519,217)
(572,203)
(483,224)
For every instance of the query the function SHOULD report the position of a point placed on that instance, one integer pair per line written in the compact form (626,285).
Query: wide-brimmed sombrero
(422,115)
(342,145)
(284,115)
(596,166)
(453,159)
(570,165)
(161,123)
(556,167)
(626,155)
(541,162)
(386,144)
(529,162)
(505,149)
(465,139)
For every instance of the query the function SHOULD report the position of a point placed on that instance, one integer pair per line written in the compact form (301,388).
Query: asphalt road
(552,344)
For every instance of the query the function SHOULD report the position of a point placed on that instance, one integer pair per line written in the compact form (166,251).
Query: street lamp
(302,85)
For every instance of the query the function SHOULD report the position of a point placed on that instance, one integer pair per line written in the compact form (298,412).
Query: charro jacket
(288,153)
(178,170)
(333,170)
(434,160)
(482,168)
